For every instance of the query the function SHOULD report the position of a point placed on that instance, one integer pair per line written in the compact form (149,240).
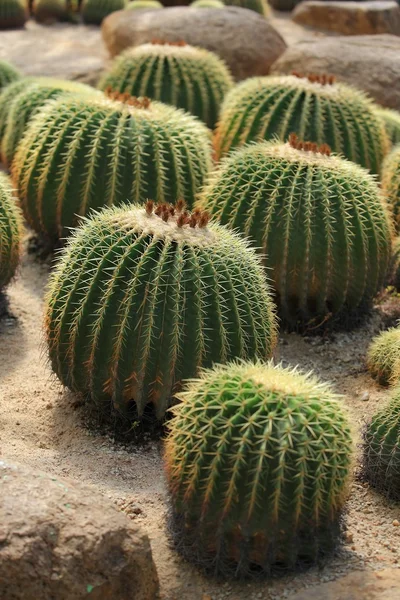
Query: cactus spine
(8,74)
(94,11)
(315,108)
(143,297)
(391,183)
(10,232)
(391,119)
(87,152)
(318,220)
(13,13)
(259,6)
(383,358)
(258,461)
(190,78)
(7,96)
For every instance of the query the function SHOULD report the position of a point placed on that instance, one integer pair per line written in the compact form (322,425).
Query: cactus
(259,6)
(383,359)
(391,119)
(145,296)
(144,5)
(394,270)
(8,74)
(46,11)
(94,11)
(13,13)
(10,232)
(381,456)
(185,76)
(207,4)
(8,95)
(258,460)
(391,183)
(26,103)
(314,107)
(89,152)
(319,221)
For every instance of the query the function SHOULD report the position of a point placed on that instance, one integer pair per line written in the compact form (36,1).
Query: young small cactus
(391,183)
(94,11)
(383,359)
(190,78)
(258,461)
(143,297)
(391,119)
(47,11)
(8,74)
(88,152)
(13,13)
(207,4)
(381,457)
(318,220)
(10,232)
(26,103)
(259,6)
(314,107)
(144,5)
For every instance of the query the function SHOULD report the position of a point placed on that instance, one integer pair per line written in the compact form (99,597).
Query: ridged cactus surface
(381,459)
(7,96)
(10,232)
(383,357)
(315,108)
(391,119)
(8,74)
(318,220)
(26,103)
(13,13)
(90,152)
(259,6)
(50,10)
(94,11)
(258,461)
(391,183)
(190,78)
(143,297)
(144,4)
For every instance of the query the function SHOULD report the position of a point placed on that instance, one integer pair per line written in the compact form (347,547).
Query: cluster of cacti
(391,183)
(318,220)
(88,152)
(258,6)
(94,11)
(391,119)
(144,4)
(207,4)
(25,103)
(46,11)
(381,457)
(175,73)
(315,107)
(258,461)
(8,74)
(383,359)
(10,232)
(143,297)
(13,13)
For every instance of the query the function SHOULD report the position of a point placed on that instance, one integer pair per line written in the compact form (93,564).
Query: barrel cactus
(314,107)
(207,4)
(391,182)
(259,6)
(383,359)
(394,270)
(87,152)
(381,457)
(258,460)
(7,95)
(26,103)
(144,5)
(8,74)
(50,10)
(10,232)
(175,73)
(13,13)
(391,119)
(144,296)
(94,11)
(318,220)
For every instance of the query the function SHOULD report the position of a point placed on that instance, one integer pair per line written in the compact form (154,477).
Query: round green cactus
(207,4)
(8,74)
(10,232)
(26,103)
(13,13)
(383,359)
(318,220)
(391,183)
(185,76)
(88,152)
(143,297)
(381,457)
(258,461)
(315,108)
(391,119)
(144,5)
(50,10)
(7,96)
(259,6)
(94,11)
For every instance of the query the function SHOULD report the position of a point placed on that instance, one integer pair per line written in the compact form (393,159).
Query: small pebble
(365,397)
(395,523)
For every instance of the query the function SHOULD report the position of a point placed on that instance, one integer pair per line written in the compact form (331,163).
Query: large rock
(60,540)
(350,18)
(244,39)
(369,62)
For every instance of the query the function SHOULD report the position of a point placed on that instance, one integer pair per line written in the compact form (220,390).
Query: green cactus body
(318,220)
(94,11)
(381,458)
(10,232)
(26,103)
(144,5)
(51,10)
(8,74)
(141,300)
(322,112)
(190,78)
(391,119)
(13,13)
(207,4)
(258,461)
(394,270)
(259,6)
(383,357)
(391,183)
(7,96)
(90,152)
